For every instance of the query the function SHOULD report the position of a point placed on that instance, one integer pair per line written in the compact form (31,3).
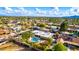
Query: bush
(50,40)
(26,35)
(41,25)
(59,47)
(49,50)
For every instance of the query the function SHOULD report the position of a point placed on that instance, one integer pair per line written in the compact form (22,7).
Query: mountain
(71,16)
(46,16)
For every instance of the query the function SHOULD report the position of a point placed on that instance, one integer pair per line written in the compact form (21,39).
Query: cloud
(8,10)
(71,12)
(18,11)
(23,11)
(40,12)
(54,12)
(75,10)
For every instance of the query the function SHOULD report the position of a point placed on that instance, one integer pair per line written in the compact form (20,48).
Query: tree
(26,35)
(76,33)
(59,47)
(41,25)
(47,46)
(64,26)
(50,40)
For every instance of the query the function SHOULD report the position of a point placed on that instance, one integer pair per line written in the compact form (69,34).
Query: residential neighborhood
(38,34)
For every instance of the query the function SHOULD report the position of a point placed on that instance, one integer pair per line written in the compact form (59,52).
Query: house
(54,29)
(77,29)
(65,33)
(36,28)
(76,40)
(60,40)
(3,31)
(16,28)
(42,33)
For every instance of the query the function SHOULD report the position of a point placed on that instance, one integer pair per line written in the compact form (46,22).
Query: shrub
(59,47)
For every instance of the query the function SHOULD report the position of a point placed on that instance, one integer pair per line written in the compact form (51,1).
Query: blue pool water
(35,39)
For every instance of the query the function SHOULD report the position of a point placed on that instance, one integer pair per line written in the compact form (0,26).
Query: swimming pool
(35,39)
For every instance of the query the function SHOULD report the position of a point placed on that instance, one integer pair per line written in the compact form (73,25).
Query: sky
(39,11)
(54,8)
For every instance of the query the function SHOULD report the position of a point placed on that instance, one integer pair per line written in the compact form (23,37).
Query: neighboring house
(54,29)
(76,40)
(36,28)
(43,34)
